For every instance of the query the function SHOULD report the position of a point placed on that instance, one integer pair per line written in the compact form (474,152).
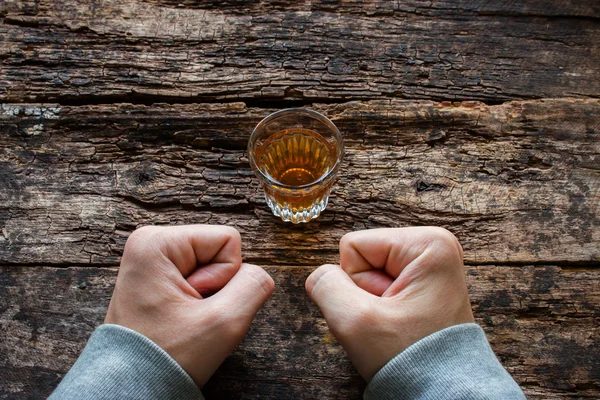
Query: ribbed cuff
(454,363)
(119,363)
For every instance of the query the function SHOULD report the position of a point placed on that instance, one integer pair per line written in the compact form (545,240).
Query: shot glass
(296,154)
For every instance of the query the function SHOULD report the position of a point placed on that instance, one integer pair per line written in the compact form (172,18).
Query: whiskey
(295,158)
(296,154)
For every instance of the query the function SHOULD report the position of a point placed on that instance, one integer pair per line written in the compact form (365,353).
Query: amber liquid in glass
(296,157)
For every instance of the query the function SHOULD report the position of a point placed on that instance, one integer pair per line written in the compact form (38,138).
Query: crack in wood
(526,164)
(117,53)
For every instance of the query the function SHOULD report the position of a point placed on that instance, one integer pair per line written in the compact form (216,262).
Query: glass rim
(312,113)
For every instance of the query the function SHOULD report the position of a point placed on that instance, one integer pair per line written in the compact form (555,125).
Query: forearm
(455,363)
(119,363)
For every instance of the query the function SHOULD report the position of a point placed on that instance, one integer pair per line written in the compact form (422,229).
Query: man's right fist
(186,289)
(392,288)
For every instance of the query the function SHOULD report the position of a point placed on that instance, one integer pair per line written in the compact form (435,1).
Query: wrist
(456,362)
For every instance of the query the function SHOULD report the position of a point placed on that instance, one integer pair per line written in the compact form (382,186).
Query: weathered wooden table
(482,117)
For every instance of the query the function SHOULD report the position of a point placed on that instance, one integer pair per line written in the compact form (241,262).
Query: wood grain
(131,50)
(543,323)
(482,117)
(517,183)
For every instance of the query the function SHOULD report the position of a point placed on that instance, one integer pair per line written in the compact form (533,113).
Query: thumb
(245,293)
(335,293)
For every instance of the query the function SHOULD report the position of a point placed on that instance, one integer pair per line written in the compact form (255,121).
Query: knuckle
(319,278)
(346,239)
(445,238)
(447,249)
(139,238)
(232,233)
(141,233)
(262,279)
(349,238)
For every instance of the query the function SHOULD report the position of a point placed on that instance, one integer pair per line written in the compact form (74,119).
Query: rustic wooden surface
(115,50)
(482,118)
(518,182)
(542,321)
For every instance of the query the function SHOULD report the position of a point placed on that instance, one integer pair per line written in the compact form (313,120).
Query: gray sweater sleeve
(119,363)
(454,363)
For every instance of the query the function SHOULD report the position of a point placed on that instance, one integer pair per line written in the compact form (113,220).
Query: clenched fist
(164,288)
(392,288)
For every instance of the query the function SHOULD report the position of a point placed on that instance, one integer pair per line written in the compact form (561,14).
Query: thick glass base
(300,215)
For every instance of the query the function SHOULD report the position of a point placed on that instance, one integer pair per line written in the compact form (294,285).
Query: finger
(211,278)
(367,255)
(389,250)
(334,292)
(188,246)
(245,293)
(374,281)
